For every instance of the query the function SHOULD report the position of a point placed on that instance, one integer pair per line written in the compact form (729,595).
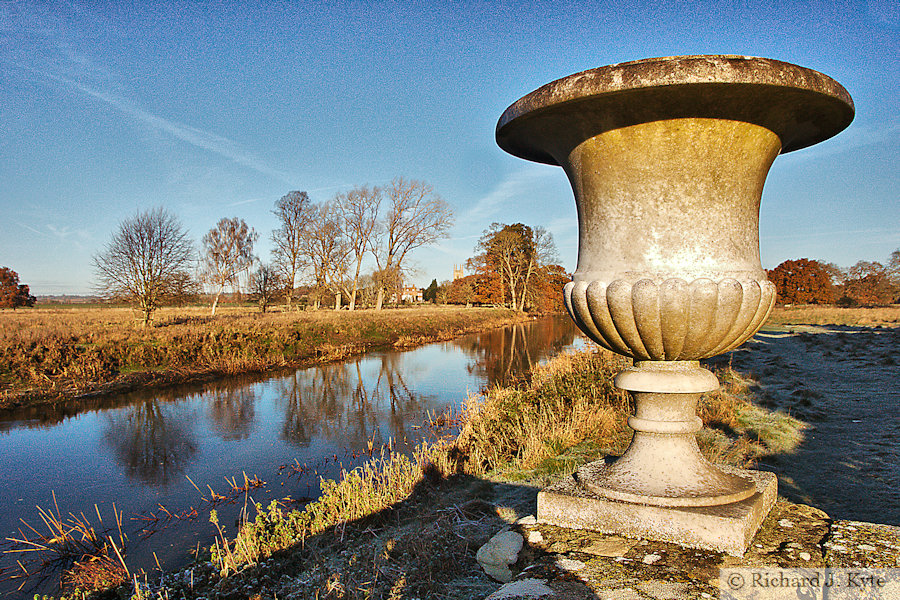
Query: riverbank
(409,526)
(50,355)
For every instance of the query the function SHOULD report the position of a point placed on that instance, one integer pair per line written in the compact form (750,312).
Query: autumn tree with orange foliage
(548,291)
(514,267)
(802,281)
(462,290)
(867,283)
(12,293)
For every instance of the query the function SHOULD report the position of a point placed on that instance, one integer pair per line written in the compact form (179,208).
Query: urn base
(727,528)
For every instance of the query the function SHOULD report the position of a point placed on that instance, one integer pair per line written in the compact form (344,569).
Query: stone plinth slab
(727,528)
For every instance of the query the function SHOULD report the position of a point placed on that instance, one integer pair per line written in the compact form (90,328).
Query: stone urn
(667,158)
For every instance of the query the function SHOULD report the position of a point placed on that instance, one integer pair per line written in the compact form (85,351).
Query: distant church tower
(457,272)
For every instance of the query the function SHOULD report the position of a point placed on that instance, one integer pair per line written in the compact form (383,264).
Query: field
(62,352)
(57,353)
(812,314)
(409,526)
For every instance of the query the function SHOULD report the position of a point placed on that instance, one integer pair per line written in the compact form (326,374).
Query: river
(155,457)
(145,452)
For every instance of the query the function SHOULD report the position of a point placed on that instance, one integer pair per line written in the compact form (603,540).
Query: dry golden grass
(568,413)
(54,353)
(888,316)
(567,401)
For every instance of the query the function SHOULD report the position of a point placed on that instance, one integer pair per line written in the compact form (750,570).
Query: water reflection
(361,403)
(151,441)
(138,450)
(503,355)
(363,400)
(232,410)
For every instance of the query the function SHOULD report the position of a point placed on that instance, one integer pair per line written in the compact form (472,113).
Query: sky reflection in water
(138,450)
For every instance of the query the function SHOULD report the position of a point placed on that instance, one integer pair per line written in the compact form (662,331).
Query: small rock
(610,547)
(499,553)
(805,555)
(535,537)
(569,564)
(527,521)
(651,558)
(525,588)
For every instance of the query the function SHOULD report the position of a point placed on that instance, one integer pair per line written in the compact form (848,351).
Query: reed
(87,557)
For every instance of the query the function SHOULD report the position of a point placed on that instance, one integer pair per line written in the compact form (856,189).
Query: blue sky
(218,109)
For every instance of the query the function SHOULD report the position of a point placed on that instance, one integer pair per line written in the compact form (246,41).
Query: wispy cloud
(855,137)
(514,188)
(30,228)
(834,234)
(58,233)
(194,136)
(49,47)
(241,202)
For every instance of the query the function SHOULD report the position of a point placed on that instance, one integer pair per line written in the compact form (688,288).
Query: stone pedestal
(667,159)
(727,528)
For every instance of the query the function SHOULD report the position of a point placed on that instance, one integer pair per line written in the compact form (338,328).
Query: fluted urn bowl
(667,158)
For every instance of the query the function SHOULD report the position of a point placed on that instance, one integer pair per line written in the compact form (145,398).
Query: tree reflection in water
(151,441)
(347,404)
(232,410)
(504,355)
(367,399)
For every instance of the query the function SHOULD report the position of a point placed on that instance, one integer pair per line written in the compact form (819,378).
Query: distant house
(409,293)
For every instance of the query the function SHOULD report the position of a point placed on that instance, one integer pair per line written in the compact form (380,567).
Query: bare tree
(265,283)
(359,214)
(893,268)
(326,250)
(182,288)
(141,259)
(416,216)
(227,252)
(294,210)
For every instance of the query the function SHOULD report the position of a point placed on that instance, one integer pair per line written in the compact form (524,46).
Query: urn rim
(800,105)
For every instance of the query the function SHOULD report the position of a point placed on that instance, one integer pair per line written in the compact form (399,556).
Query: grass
(405,526)
(50,354)
(812,314)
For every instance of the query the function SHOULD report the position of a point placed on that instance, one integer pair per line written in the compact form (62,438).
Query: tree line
(151,259)
(805,281)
